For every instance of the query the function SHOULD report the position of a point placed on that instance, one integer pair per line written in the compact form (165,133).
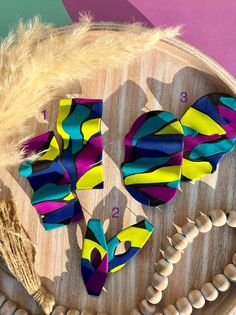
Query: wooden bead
(164,267)
(221,283)
(20,311)
(152,295)
(158,313)
(73,312)
(218,217)
(172,254)
(8,308)
(203,223)
(179,241)
(135,312)
(196,299)
(146,308)
(59,310)
(183,306)
(2,299)
(209,291)
(231,220)
(190,230)
(234,259)
(159,282)
(87,312)
(230,272)
(170,310)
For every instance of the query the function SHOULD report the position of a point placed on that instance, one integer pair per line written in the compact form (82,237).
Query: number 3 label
(184,97)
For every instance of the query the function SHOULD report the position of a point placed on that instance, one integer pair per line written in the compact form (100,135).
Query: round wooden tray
(153,81)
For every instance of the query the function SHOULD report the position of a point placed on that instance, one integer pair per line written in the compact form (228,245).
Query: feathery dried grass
(37,64)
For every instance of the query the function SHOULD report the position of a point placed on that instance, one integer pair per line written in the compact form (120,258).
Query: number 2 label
(115,212)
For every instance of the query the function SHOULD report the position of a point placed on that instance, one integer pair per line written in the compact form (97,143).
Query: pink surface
(208,24)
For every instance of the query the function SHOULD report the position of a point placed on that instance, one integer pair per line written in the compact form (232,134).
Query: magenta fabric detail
(175,160)
(35,144)
(162,193)
(190,142)
(85,160)
(230,115)
(49,206)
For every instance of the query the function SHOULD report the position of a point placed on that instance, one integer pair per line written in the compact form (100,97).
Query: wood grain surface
(153,81)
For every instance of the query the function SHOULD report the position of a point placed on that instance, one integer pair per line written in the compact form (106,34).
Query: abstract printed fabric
(153,158)
(56,174)
(209,133)
(95,268)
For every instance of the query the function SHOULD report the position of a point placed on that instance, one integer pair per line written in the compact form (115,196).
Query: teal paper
(51,11)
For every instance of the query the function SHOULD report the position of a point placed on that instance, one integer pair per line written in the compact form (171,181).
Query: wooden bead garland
(221,283)
(230,272)
(146,308)
(183,306)
(153,296)
(2,299)
(159,282)
(164,267)
(209,292)
(218,217)
(135,311)
(73,312)
(179,241)
(231,220)
(59,310)
(234,259)
(172,255)
(190,230)
(196,299)
(203,223)
(170,310)
(8,308)
(87,312)
(20,311)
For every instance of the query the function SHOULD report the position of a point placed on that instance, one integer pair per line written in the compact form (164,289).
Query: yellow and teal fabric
(137,235)
(209,133)
(153,158)
(53,198)
(79,125)
(95,268)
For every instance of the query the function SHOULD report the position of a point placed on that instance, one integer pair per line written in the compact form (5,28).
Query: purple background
(210,25)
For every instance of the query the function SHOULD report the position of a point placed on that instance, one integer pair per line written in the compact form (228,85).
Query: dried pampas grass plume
(38,62)
(17,251)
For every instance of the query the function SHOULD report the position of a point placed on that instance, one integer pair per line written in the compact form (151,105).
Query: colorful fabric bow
(56,174)
(95,269)
(160,150)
